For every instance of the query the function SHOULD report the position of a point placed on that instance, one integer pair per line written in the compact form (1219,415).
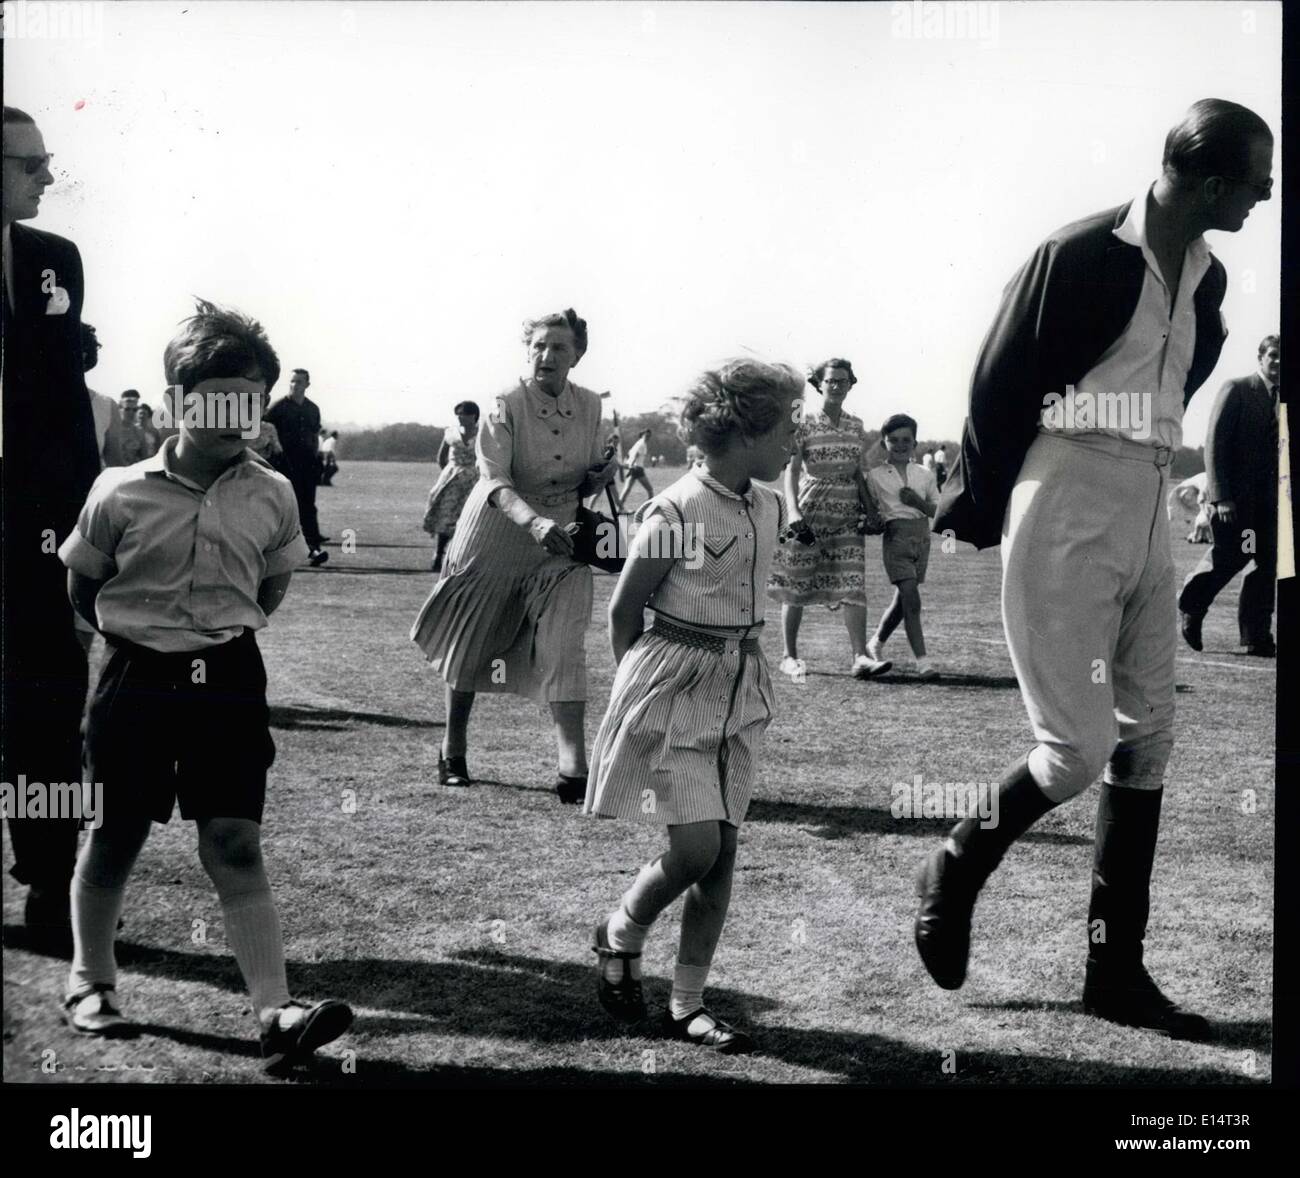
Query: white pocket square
(59,303)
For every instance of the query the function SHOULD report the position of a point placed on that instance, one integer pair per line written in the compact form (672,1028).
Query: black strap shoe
(624,999)
(1134,1000)
(571,791)
(1190,625)
(719,1036)
(283,1047)
(94,1011)
(453,771)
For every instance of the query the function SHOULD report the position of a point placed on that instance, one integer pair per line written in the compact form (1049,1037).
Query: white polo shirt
(181,566)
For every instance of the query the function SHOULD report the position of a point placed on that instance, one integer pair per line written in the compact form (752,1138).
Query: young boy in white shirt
(908,496)
(178,560)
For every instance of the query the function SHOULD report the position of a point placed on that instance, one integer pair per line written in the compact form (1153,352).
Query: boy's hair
(301,372)
(898,421)
(215,342)
(1269,341)
(568,318)
(467,407)
(815,374)
(742,397)
(13,115)
(130,393)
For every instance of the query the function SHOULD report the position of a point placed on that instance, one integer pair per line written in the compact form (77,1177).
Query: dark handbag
(598,540)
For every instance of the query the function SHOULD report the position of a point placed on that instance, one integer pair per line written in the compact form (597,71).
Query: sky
(392,188)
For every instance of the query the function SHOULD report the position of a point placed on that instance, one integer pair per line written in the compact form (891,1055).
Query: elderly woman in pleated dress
(511,610)
(824,560)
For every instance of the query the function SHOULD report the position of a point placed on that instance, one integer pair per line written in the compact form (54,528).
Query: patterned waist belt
(717,643)
(552,500)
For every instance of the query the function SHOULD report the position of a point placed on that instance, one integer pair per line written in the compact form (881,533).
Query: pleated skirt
(506,615)
(682,738)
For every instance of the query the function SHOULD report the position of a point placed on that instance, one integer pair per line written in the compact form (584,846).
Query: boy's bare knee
(230,843)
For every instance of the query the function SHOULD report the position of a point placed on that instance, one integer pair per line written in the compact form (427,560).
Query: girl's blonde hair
(743,397)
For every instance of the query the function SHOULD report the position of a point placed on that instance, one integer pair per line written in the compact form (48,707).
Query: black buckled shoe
(453,771)
(94,1011)
(1190,625)
(623,999)
(1266,649)
(283,1047)
(943,919)
(720,1037)
(1134,1000)
(571,790)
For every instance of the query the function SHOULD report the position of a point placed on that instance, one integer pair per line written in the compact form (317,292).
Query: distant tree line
(408,441)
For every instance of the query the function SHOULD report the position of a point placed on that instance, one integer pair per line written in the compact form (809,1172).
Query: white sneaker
(924,671)
(873,649)
(792,667)
(866,667)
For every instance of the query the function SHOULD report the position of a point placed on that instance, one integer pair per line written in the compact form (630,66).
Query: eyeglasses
(1263,191)
(33,163)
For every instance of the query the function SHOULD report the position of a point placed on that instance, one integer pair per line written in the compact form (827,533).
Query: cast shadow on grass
(481,994)
(945,679)
(291,716)
(845,821)
(1254,1034)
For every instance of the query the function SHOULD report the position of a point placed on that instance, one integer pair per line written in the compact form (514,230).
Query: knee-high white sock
(253,931)
(688,989)
(95,912)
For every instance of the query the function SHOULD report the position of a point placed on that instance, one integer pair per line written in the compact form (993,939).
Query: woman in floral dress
(459,474)
(823,559)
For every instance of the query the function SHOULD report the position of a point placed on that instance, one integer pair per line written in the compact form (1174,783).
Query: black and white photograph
(645,545)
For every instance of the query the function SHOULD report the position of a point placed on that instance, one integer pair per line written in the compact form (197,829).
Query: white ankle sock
(95,913)
(625,934)
(688,989)
(253,932)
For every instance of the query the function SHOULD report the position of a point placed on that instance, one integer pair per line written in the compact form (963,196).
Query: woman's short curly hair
(816,373)
(568,318)
(741,398)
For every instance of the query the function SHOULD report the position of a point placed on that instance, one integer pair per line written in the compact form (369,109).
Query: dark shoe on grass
(453,771)
(719,1036)
(572,791)
(1134,1000)
(1261,650)
(284,1046)
(943,919)
(624,999)
(1190,625)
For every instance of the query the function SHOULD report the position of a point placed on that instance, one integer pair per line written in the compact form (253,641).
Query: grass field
(457,921)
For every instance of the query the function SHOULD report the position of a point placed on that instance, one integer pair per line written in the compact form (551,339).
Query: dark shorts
(155,736)
(906,549)
(636,472)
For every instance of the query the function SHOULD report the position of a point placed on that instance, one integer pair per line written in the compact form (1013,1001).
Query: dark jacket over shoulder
(50,454)
(1059,314)
(1241,446)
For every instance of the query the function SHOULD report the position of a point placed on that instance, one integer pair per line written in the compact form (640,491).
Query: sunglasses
(1263,191)
(33,163)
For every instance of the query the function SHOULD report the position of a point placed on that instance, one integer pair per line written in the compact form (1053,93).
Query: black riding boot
(949,884)
(1117,986)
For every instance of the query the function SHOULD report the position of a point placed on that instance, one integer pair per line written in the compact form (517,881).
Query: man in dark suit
(50,461)
(1241,485)
(1076,408)
(297,420)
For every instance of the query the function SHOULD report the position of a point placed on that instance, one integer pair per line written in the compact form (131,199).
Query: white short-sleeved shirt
(181,566)
(886,482)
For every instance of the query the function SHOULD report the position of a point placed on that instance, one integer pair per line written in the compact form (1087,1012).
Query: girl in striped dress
(680,741)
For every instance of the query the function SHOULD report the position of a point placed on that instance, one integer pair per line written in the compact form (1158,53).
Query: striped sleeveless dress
(681,739)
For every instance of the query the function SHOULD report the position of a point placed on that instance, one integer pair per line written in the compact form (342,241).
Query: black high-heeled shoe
(571,790)
(453,771)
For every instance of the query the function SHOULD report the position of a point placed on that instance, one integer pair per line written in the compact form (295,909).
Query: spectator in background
(636,457)
(1241,444)
(108,418)
(132,441)
(928,460)
(459,473)
(329,464)
(152,438)
(297,421)
(128,403)
(51,457)
(941,466)
(267,443)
